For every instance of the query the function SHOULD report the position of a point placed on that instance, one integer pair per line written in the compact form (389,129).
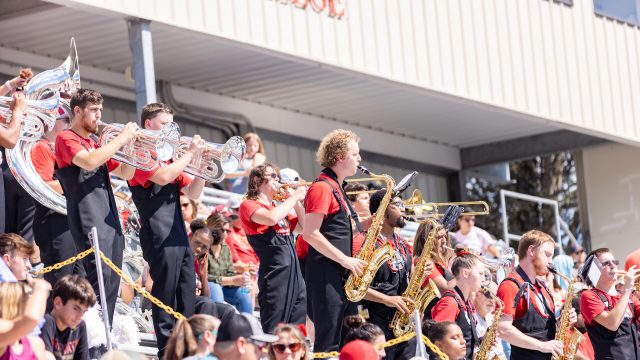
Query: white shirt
(477,239)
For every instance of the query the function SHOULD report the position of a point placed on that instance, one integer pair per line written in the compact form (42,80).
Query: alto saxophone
(567,334)
(356,286)
(401,322)
(489,339)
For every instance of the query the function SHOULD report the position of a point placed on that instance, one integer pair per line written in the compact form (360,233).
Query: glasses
(611,263)
(280,348)
(398,204)
(273,176)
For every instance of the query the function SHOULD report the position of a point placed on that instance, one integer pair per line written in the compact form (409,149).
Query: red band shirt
(141,178)
(68,144)
(44,159)
(507,292)
(320,197)
(591,305)
(249,207)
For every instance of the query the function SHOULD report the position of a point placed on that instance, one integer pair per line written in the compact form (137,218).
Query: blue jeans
(215,291)
(235,297)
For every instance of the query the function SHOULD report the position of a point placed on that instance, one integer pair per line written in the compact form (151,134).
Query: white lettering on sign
(335,8)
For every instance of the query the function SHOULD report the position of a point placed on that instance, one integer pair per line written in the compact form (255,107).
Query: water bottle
(246,284)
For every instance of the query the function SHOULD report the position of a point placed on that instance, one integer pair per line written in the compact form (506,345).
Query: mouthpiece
(552,269)
(364,170)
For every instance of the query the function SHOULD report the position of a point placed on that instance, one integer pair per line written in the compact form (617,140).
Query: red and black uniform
(453,307)
(282,296)
(531,306)
(165,247)
(621,344)
(438,270)
(90,203)
(50,228)
(324,277)
(392,279)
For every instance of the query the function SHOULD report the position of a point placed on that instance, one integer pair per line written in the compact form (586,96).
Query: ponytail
(182,342)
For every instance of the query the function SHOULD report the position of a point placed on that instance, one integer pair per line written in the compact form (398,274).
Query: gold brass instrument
(356,286)
(419,210)
(144,153)
(215,160)
(567,334)
(401,322)
(489,339)
(282,193)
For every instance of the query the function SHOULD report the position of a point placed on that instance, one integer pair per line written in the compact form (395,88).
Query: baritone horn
(215,160)
(147,150)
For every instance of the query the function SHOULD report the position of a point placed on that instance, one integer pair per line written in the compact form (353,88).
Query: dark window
(623,10)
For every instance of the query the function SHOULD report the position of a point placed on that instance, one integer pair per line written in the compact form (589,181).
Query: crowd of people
(264,275)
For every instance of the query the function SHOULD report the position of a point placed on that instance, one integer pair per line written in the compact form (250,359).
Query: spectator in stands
(224,281)
(64,332)
(19,313)
(253,157)
(241,250)
(189,210)
(15,252)
(291,344)
(240,337)
(193,339)
(200,241)
(359,329)
(475,238)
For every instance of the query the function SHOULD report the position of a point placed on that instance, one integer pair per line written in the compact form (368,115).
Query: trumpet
(283,189)
(144,153)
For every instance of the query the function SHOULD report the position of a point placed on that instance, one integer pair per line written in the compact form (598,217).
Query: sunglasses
(611,263)
(273,176)
(398,204)
(280,348)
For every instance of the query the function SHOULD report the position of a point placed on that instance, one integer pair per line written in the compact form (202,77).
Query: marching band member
(83,171)
(456,305)
(610,317)
(282,296)
(528,322)
(8,138)
(328,230)
(163,236)
(51,229)
(384,296)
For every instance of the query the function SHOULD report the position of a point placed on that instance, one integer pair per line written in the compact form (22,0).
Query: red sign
(334,7)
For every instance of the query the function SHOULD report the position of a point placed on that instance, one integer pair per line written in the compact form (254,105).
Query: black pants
(222,311)
(325,288)
(173,273)
(19,208)
(52,235)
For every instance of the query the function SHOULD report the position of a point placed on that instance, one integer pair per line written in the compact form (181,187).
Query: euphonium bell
(39,113)
(151,146)
(215,160)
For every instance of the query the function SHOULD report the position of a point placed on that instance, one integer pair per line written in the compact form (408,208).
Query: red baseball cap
(359,350)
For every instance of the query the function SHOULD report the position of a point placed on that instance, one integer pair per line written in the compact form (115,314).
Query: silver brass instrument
(215,160)
(43,98)
(146,152)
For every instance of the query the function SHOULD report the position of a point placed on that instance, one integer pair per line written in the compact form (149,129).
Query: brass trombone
(418,209)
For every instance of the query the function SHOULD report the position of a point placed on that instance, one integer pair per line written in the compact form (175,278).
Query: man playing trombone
(83,172)
(163,236)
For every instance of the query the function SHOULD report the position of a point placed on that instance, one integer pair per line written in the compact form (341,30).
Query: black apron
(392,280)
(52,235)
(90,203)
(283,296)
(465,320)
(532,323)
(18,205)
(621,344)
(165,247)
(2,201)
(326,278)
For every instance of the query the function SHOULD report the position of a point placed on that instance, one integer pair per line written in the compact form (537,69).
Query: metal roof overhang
(238,71)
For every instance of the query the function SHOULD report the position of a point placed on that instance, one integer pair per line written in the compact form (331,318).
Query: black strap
(350,210)
(466,309)
(606,302)
(529,284)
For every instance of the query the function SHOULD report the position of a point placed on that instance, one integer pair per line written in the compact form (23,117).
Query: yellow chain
(392,342)
(140,290)
(62,264)
(434,348)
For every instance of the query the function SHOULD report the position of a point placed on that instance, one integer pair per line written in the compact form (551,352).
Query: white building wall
(562,64)
(612,186)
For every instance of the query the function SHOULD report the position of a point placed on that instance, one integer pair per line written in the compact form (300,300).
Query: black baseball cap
(244,325)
